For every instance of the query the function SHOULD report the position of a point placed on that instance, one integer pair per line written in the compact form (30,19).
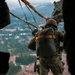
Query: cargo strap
(46,36)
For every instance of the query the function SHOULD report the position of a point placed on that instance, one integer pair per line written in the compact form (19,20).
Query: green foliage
(13,69)
(25,60)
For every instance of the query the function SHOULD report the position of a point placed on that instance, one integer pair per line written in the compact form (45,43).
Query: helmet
(52,22)
(34,32)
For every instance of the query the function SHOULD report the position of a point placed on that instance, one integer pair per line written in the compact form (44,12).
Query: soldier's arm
(32,44)
(61,36)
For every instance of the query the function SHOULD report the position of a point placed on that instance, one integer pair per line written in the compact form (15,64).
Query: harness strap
(46,36)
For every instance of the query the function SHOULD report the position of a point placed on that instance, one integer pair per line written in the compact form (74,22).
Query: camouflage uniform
(49,57)
(46,50)
(52,63)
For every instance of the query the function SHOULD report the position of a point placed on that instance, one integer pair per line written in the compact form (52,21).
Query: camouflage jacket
(46,47)
(59,38)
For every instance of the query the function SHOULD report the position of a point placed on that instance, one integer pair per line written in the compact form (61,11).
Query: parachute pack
(45,44)
(4,14)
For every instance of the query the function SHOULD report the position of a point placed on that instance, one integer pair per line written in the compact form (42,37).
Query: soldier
(46,50)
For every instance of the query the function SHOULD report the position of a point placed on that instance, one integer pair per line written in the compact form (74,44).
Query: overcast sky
(15,3)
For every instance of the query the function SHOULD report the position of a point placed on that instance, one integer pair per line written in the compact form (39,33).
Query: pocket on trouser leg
(57,68)
(43,70)
(61,67)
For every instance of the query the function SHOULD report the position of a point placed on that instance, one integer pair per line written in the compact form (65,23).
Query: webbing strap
(46,36)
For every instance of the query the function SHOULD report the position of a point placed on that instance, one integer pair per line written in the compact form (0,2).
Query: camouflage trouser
(53,63)
(60,56)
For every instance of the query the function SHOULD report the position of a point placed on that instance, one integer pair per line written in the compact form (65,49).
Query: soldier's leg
(43,68)
(60,57)
(57,66)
